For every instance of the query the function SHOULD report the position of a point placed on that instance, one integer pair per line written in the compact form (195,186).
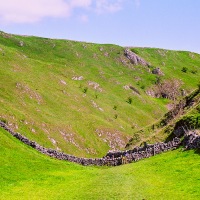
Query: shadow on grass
(197,151)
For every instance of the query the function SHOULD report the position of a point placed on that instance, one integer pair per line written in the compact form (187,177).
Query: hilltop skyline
(141,23)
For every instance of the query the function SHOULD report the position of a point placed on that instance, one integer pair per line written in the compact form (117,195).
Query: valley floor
(27,174)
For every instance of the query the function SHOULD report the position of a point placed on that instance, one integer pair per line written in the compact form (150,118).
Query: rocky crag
(134,58)
(191,141)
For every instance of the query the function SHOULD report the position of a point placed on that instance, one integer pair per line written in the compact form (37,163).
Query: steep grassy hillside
(73,96)
(27,174)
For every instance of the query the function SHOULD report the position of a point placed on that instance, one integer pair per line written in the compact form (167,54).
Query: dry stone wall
(192,141)
(112,158)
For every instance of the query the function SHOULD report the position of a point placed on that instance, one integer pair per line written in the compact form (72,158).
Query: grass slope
(187,119)
(40,99)
(27,174)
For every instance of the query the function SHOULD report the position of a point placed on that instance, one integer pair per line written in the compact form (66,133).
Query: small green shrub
(85,89)
(194,71)
(96,95)
(158,80)
(129,100)
(184,69)
(115,107)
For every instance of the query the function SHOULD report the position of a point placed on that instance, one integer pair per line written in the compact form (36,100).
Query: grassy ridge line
(40,99)
(27,174)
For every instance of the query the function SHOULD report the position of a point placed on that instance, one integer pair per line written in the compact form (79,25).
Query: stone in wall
(192,141)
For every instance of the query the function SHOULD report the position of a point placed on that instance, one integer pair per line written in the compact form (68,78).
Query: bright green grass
(37,104)
(27,174)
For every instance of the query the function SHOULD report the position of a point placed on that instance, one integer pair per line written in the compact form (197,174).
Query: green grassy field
(40,98)
(27,174)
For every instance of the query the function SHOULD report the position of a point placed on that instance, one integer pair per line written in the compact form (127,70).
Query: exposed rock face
(157,71)
(134,58)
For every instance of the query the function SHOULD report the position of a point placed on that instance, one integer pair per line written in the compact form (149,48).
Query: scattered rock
(95,56)
(113,138)
(78,55)
(78,78)
(162,52)
(63,82)
(53,141)
(94,104)
(192,55)
(25,90)
(137,78)
(33,130)
(21,43)
(151,93)
(126,87)
(95,86)
(157,71)
(106,54)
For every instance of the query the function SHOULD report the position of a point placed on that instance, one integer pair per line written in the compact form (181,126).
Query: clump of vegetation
(115,107)
(96,95)
(184,69)
(190,121)
(129,100)
(194,71)
(3,120)
(158,80)
(85,89)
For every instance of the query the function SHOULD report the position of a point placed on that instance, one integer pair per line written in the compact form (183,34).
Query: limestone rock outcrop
(134,58)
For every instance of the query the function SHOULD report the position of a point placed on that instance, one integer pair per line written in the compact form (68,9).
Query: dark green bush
(85,89)
(129,100)
(184,69)
(115,107)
